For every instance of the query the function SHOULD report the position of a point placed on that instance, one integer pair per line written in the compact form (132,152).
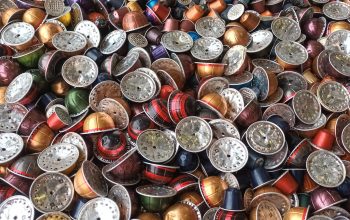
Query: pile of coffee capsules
(174,109)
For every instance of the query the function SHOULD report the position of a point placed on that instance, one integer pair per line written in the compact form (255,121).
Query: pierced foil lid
(235,12)
(340,62)
(210,27)
(143,56)
(272,99)
(11,115)
(58,158)
(113,42)
(99,208)
(104,89)
(19,88)
(207,48)
(166,79)
(120,195)
(260,40)
(154,191)
(341,122)
(285,29)
(172,68)
(156,146)
(125,64)
(333,96)
(274,161)
(234,58)
(268,65)
(54,7)
(17,207)
(223,128)
(78,141)
(230,179)
(215,84)
(69,41)
(290,80)
(138,87)
(333,212)
(345,138)
(116,110)
(306,107)
(193,134)
(228,154)
(338,41)
(177,41)
(90,32)
(51,192)
(267,210)
(235,102)
(17,33)
(154,76)
(325,168)
(282,110)
(137,40)
(321,122)
(291,52)
(54,216)
(282,202)
(336,10)
(79,71)
(11,145)
(265,137)
(240,79)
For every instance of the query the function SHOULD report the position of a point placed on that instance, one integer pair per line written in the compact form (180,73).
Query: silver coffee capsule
(291,53)
(154,76)
(99,208)
(228,154)
(207,48)
(306,107)
(235,58)
(337,41)
(104,89)
(51,192)
(11,115)
(235,102)
(340,62)
(19,88)
(113,42)
(331,175)
(138,87)
(11,145)
(17,207)
(265,137)
(90,31)
(79,71)
(291,81)
(120,195)
(193,134)
(230,179)
(261,40)
(235,12)
(210,27)
(126,64)
(285,29)
(77,14)
(59,158)
(137,40)
(154,145)
(116,110)
(268,65)
(143,56)
(177,41)
(336,10)
(272,99)
(282,110)
(215,84)
(69,41)
(223,128)
(172,68)
(333,96)
(17,33)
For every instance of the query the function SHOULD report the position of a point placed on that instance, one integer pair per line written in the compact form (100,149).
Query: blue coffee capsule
(194,35)
(152,3)
(187,161)
(243,178)
(255,159)
(95,54)
(259,177)
(298,175)
(344,188)
(77,206)
(101,77)
(233,200)
(280,122)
